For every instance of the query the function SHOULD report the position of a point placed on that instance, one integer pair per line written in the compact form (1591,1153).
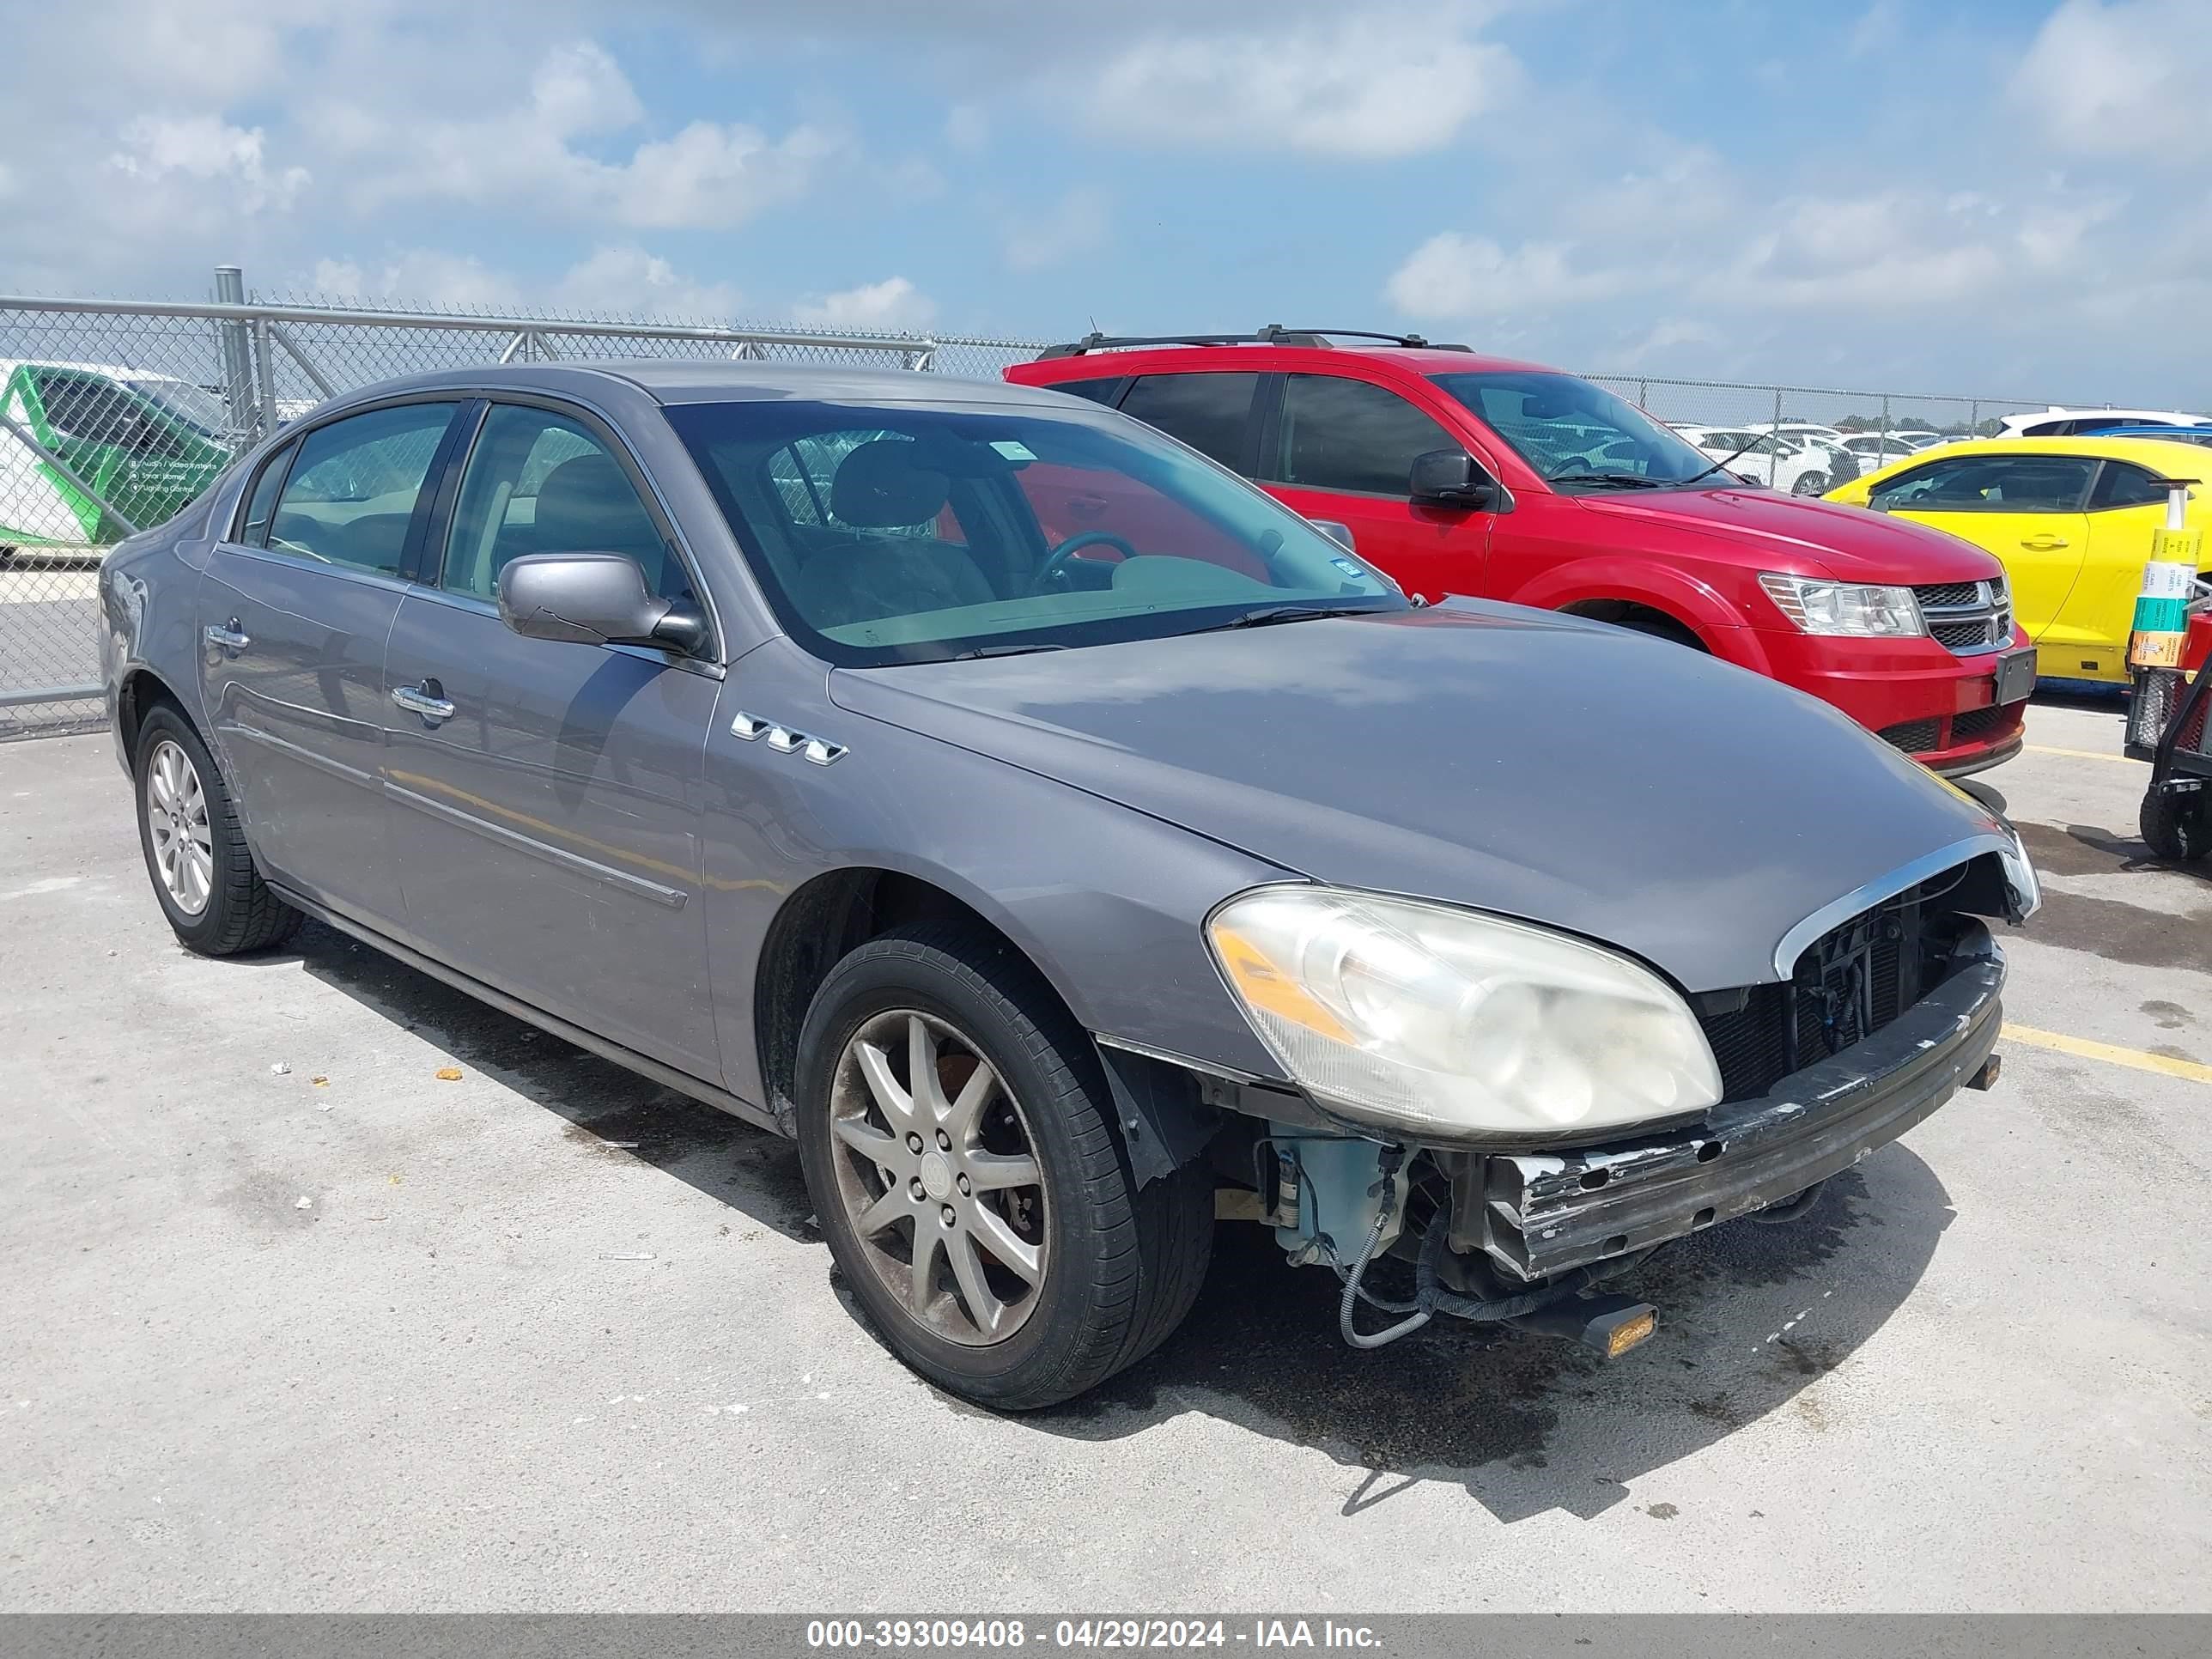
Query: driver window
(1353,435)
(540,483)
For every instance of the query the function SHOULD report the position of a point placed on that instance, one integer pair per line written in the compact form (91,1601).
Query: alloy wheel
(177,818)
(938,1175)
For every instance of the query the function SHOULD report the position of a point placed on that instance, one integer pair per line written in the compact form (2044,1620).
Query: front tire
(196,852)
(955,1131)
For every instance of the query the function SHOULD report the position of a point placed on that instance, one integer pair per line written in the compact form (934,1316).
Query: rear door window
(1353,436)
(261,507)
(2122,485)
(1212,413)
(351,494)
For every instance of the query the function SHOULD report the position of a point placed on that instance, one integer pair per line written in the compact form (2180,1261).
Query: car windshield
(895,533)
(1578,435)
(199,408)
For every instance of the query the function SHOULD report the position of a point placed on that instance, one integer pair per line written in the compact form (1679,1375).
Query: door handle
(2043,543)
(425,700)
(232,639)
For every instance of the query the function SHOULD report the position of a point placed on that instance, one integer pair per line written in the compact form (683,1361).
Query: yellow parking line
(2082,754)
(2166,1064)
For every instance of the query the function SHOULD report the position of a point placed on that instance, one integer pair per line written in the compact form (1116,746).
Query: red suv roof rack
(1272,334)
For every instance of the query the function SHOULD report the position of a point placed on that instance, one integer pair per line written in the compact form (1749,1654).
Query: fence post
(237,365)
(1774,440)
(1644,395)
(264,363)
(1974,418)
(1884,430)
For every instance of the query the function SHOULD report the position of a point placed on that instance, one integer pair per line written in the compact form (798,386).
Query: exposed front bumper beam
(1540,1215)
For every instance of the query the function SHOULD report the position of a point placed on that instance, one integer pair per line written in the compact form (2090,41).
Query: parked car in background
(2071,519)
(1039,894)
(2056,422)
(2201,436)
(1458,473)
(147,444)
(1918,438)
(1790,464)
(1874,449)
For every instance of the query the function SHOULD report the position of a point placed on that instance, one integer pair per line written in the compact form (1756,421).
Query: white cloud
(1880,25)
(892,303)
(1373,83)
(1457,276)
(2120,78)
(966,128)
(419,278)
(1039,238)
(614,280)
(629,282)
(205,148)
(709,175)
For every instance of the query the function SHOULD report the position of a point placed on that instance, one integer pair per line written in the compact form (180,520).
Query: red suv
(1461,474)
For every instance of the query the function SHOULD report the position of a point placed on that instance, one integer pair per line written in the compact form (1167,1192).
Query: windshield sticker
(1348,567)
(1013,449)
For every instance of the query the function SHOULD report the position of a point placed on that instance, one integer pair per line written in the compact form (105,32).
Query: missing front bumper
(1535,1216)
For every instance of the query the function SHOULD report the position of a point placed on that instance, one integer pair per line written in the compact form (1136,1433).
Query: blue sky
(1989,197)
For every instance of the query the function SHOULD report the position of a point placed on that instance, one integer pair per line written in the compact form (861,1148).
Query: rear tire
(2177,828)
(1056,1270)
(196,852)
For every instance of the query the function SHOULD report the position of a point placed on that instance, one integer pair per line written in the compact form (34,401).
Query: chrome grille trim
(1973,628)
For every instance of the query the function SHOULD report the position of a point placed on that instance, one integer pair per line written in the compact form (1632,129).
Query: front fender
(1107,902)
(1719,624)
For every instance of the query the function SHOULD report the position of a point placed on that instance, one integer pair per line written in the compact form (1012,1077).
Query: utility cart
(2171,728)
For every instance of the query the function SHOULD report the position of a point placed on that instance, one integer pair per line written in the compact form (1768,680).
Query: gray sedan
(1064,841)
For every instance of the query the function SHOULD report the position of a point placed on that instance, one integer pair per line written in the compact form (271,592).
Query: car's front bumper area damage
(1536,1216)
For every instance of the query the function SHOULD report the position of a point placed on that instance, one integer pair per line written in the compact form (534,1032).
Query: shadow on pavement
(1750,1315)
(753,1171)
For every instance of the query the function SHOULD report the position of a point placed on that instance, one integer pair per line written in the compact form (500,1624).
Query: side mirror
(594,599)
(1450,477)
(1337,533)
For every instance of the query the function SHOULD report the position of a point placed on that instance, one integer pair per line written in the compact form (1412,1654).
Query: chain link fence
(115,414)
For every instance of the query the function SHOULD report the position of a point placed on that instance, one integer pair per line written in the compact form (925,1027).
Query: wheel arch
(139,689)
(1609,588)
(822,921)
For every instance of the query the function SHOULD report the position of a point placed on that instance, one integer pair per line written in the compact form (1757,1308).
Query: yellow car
(2071,520)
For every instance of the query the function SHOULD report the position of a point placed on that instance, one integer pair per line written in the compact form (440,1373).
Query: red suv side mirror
(1450,477)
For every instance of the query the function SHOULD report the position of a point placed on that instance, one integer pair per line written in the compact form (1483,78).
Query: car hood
(1514,761)
(1777,531)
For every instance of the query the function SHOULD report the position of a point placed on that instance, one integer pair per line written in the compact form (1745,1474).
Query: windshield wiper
(1625,480)
(1009,650)
(1268,615)
(1718,464)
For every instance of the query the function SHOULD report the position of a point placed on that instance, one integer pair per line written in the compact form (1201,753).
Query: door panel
(547,829)
(295,615)
(2028,508)
(2041,552)
(2093,625)
(298,713)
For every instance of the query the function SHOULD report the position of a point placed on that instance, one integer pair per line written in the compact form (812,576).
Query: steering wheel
(1056,565)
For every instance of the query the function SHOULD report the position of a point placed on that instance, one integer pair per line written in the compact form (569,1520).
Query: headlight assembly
(1419,1018)
(1818,606)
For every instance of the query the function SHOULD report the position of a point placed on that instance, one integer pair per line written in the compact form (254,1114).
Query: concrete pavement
(549,1337)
